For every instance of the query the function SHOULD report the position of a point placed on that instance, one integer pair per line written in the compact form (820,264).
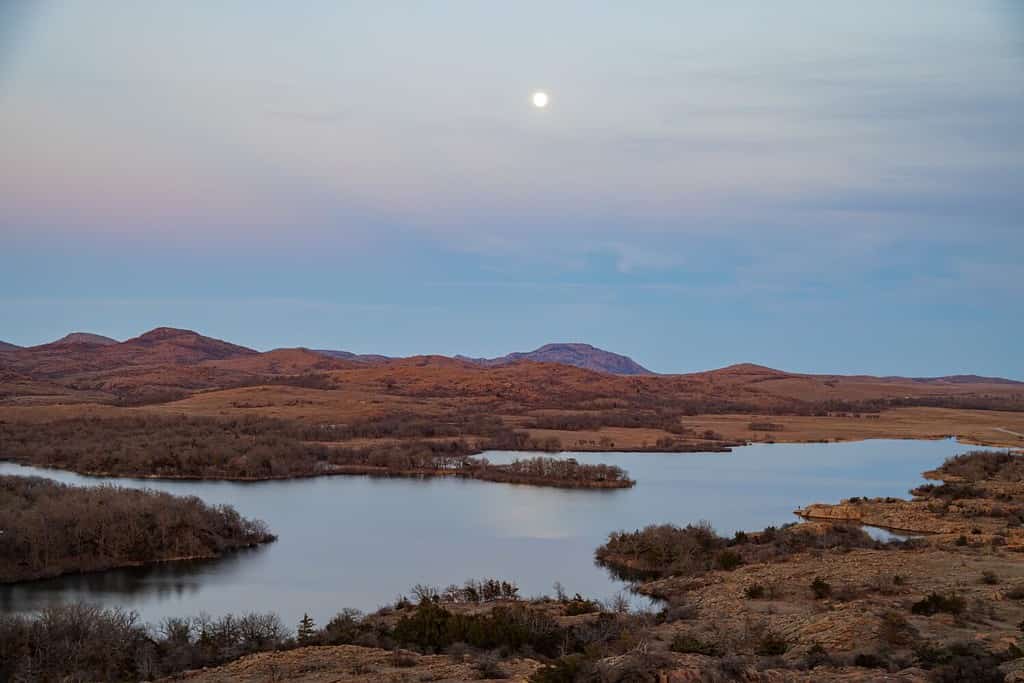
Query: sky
(819,187)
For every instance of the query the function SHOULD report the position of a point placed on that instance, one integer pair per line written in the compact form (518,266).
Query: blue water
(360,541)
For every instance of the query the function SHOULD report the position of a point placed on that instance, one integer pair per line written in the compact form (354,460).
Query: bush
(771,645)
(820,588)
(818,656)
(687,644)
(431,627)
(728,560)
(870,661)
(981,465)
(935,603)
(579,605)
(668,550)
(566,669)
(487,668)
(989,578)
(754,591)
(960,662)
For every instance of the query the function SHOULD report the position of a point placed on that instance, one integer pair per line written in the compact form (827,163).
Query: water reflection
(359,541)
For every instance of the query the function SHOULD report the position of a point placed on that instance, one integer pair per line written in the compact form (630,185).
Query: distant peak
(199,344)
(576,354)
(86,338)
(750,367)
(573,346)
(159,333)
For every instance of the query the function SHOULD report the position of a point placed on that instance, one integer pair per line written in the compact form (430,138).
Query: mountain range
(83,351)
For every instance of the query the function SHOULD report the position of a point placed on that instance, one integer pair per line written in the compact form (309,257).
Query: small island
(48,529)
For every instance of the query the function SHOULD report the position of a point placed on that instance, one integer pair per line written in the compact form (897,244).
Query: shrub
(563,670)
(870,661)
(687,644)
(820,588)
(487,668)
(818,656)
(989,578)
(432,627)
(754,591)
(580,605)
(728,560)
(771,645)
(683,612)
(960,662)
(935,603)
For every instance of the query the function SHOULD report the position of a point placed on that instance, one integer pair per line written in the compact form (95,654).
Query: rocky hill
(84,338)
(578,355)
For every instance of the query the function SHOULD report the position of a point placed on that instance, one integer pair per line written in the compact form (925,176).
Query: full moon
(540,99)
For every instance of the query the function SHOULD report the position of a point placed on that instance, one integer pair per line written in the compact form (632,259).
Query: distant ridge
(85,338)
(4,346)
(357,357)
(171,343)
(964,379)
(575,354)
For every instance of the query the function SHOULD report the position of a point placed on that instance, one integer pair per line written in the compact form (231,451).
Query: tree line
(268,448)
(47,528)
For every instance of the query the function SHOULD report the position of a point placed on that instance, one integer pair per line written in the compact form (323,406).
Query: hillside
(83,338)
(4,346)
(544,395)
(577,355)
(357,357)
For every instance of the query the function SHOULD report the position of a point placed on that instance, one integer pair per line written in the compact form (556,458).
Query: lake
(359,542)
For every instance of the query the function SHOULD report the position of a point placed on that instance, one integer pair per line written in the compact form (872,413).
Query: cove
(354,541)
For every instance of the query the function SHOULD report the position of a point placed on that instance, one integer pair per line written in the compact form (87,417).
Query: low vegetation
(48,528)
(975,466)
(668,550)
(269,448)
(87,643)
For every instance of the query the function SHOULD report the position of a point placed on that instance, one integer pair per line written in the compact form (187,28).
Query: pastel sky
(816,186)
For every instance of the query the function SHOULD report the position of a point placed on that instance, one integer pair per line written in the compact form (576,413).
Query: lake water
(360,541)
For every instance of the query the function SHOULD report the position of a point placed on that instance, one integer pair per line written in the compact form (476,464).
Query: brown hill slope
(283,362)
(83,338)
(170,364)
(167,344)
(366,358)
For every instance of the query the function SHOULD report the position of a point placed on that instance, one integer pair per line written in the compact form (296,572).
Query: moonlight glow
(540,99)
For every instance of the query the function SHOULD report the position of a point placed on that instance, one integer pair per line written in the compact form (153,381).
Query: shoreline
(421,473)
(137,564)
(341,471)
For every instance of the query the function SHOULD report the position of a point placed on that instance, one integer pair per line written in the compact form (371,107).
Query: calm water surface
(360,541)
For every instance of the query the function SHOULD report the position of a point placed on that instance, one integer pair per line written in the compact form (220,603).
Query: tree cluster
(661,550)
(88,643)
(47,528)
